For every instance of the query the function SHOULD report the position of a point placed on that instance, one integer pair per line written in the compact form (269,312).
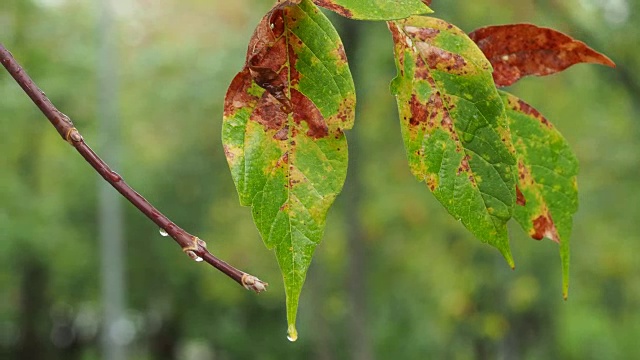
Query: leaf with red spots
(519,50)
(376,9)
(284,118)
(547,170)
(454,126)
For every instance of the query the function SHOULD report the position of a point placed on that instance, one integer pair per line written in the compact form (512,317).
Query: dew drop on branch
(194,256)
(163,232)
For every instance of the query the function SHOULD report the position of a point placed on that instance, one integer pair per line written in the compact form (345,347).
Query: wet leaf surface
(547,170)
(519,50)
(376,9)
(454,126)
(284,118)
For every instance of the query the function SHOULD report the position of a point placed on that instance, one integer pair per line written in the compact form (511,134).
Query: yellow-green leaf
(547,186)
(454,126)
(284,118)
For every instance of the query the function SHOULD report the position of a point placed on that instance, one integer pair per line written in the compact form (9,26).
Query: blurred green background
(395,276)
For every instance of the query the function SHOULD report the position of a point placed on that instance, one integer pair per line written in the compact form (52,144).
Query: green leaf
(284,118)
(454,126)
(547,169)
(376,9)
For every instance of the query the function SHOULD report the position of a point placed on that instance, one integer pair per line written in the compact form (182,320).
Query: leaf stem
(192,245)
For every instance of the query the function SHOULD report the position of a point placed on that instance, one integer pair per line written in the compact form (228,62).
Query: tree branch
(191,245)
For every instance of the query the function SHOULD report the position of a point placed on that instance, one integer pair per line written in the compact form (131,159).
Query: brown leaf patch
(330,5)
(464,165)
(270,64)
(269,113)
(523,174)
(443,60)
(237,94)
(305,110)
(267,56)
(520,199)
(519,50)
(464,168)
(421,34)
(543,226)
(418,111)
(525,108)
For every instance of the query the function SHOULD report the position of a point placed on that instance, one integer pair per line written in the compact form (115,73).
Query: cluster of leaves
(486,155)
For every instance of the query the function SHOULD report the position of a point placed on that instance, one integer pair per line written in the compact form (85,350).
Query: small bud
(251,282)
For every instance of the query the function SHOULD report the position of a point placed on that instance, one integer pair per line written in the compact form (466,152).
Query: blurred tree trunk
(358,336)
(163,344)
(322,340)
(109,205)
(34,306)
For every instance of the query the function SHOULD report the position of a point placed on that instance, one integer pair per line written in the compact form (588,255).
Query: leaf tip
(608,62)
(292,333)
(506,253)
(564,256)
(565,283)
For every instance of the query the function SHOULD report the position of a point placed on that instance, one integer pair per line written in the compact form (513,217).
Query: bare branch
(191,245)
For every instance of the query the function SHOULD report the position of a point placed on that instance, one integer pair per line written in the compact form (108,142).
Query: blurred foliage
(432,291)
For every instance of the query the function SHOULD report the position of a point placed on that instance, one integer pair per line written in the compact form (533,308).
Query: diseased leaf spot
(305,110)
(269,113)
(543,227)
(238,95)
(283,161)
(329,5)
(439,59)
(418,111)
(282,134)
(422,71)
(273,83)
(268,55)
(346,109)
(464,168)
(527,109)
(432,182)
(341,54)
(520,199)
(228,153)
(421,34)
(464,165)
(523,174)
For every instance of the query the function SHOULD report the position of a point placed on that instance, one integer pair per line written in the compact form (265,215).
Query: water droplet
(292,333)
(163,232)
(194,256)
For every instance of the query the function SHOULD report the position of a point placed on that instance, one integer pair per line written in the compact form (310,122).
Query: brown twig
(191,245)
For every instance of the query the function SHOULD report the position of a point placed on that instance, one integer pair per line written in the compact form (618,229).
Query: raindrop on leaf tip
(292,333)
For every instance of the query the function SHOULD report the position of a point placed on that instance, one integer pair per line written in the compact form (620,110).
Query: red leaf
(519,50)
